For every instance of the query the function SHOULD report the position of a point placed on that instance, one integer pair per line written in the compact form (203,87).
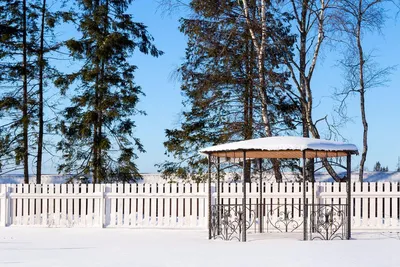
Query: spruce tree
(219,84)
(46,45)
(17,104)
(97,126)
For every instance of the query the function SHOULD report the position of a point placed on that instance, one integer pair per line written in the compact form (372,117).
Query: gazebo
(224,220)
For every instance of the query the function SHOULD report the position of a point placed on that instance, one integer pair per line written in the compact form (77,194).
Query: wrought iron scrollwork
(325,222)
(227,221)
(328,222)
(282,217)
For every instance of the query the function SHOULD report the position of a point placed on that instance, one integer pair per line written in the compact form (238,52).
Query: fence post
(102,205)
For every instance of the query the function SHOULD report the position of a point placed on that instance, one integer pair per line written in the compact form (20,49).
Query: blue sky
(163,98)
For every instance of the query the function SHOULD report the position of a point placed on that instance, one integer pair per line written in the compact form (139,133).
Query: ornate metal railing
(285,218)
(324,221)
(328,221)
(227,220)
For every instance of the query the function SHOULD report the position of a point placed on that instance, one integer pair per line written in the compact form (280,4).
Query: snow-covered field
(124,247)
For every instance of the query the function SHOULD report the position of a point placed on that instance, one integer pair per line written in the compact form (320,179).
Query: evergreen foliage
(219,78)
(22,100)
(97,126)
(17,102)
(379,168)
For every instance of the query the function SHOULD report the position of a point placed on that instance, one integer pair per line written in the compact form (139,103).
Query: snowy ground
(127,247)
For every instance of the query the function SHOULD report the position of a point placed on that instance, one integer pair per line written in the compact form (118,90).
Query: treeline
(84,111)
(249,72)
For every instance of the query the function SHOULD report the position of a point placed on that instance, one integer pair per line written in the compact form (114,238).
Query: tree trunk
(25,118)
(40,104)
(305,83)
(248,104)
(362,97)
(101,92)
(96,111)
(260,50)
(95,155)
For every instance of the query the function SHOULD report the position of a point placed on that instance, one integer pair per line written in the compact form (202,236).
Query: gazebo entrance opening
(302,212)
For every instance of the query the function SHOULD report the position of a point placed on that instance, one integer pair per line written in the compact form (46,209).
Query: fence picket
(379,207)
(45,202)
(386,206)
(77,218)
(19,205)
(395,207)
(187,216)
(180,207)
(25,207)
(64,205)
(195,202)
(120,204)
(167,203)
(83,205)
(372,206)
(127,205)
(202,208)
(101,209)
(140,206)
(134,214)
(174,216)
(357,206)
(70,206)
(146,208)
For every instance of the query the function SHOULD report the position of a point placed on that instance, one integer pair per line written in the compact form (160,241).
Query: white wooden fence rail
(375,205)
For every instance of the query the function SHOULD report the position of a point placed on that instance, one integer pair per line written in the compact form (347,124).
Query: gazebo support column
(312,217)
(260,214)
(209,197)
(349,213)
(304,198)
(218,197)
(244,199)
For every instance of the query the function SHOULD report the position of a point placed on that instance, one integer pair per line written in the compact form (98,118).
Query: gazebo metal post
(312,218)
(304,198)
(349,200)
(244,199)
(218,197)
(209,197)
(260,214)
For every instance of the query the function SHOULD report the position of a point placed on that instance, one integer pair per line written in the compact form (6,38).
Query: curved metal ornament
(284,219)
(328,222)
(231,221)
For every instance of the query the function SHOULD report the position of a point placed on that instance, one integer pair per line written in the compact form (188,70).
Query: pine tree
(46,44)
(17,105)
(97,127)
(27,37)
(219,74)
(377,166)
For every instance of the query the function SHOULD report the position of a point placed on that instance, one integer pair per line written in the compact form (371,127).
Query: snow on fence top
(282,147)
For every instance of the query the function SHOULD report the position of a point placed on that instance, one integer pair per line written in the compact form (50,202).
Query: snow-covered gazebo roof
(282,147)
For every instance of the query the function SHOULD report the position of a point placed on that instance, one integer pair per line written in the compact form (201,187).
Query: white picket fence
(375,205)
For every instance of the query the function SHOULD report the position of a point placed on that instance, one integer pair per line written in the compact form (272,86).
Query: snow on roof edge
(279,143)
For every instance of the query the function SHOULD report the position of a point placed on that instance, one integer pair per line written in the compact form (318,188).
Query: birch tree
(258,15)
(313,24)
(353,19)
